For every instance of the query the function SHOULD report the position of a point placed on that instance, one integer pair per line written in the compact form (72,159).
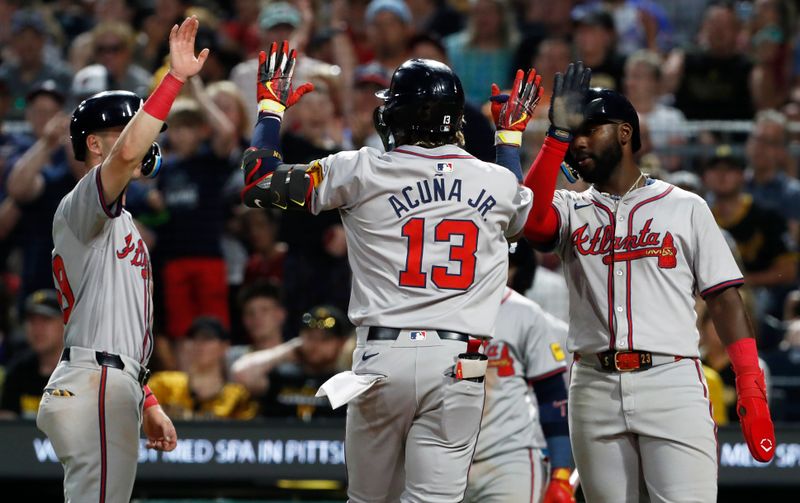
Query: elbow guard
(268,183)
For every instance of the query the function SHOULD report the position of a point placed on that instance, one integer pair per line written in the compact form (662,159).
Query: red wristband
(743,355)
(159,103)
(149,398)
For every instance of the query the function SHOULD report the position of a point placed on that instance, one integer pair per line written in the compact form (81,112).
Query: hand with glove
(566,107)
(511,113)
(559,489)
(753,411)
(275,92)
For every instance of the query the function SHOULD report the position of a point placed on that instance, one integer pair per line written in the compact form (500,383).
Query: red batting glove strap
(150,399)
(559,489)
(159,103)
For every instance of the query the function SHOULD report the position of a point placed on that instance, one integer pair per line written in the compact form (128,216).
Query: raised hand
(275,93)
(569,93)
(513,112)
(182,61)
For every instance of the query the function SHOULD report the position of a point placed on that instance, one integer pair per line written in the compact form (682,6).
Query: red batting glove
(511,113)
(274,86)
(559,490)
(754,417)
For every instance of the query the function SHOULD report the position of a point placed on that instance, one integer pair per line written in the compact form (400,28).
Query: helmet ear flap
(379,121)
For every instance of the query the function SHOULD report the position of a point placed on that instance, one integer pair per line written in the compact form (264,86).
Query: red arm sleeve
(542,224)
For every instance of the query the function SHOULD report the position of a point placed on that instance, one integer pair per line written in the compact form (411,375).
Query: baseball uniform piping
(722,286)
(628,263)
(710,407)
(101,410)
(108,211)
(610,275)
(533,474)
(428,156)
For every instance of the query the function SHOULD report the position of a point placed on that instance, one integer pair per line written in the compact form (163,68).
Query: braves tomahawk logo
(645,243)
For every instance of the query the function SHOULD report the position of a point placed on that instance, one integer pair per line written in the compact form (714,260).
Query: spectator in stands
(639,25)
(188,249)
(552,56)
(769,161)
(230,101)
(770,49)
(667,124)
(152,42)
(203,391)
(761,235)
(435,17)
(482,53)
(39,178)
(368,79)
(28,373)
(242,28)
(263,317)
(113,44)
(287,377)
(388,28)
(710,81)
(29,69)
(784,365)
(267,254)
(595,45)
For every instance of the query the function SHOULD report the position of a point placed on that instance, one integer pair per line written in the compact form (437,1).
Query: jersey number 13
(464,254)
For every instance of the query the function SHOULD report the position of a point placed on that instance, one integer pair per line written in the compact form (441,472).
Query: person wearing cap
(27,374)
(768,253)
(595,45)
(388,28)
(368,80)
(39,177)
(29,68)
(203,391)
(287,377)
(278,21)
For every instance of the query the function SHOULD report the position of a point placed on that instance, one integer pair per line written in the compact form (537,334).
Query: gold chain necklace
(617,198)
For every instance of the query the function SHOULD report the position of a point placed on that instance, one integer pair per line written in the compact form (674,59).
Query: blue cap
(277,13)
(27,18)
(396,7)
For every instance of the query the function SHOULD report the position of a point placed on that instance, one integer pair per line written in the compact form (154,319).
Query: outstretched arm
(263,160)
(565,113)
(136,139)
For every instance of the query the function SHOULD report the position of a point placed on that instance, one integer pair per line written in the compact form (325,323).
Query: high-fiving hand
(513,112)
(182,61)
(569,95)
(275,93)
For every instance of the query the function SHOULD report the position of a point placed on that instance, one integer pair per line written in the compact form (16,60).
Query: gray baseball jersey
(101,268)
(426,235)
(89,412)
(524,347)
(508,465)
(422,226)
(632,267)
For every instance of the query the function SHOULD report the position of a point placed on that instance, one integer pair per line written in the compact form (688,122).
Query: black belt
(390,334)
(629,361)
(113,361)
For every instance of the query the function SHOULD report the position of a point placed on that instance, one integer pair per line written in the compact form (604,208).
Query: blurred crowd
(250,304)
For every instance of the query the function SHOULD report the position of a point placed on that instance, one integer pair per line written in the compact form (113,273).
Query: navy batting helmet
(605,105)
(424,96)
(101,111)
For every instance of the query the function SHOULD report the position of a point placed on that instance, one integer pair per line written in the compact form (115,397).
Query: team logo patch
(558,353)
(417,335)
(444,167)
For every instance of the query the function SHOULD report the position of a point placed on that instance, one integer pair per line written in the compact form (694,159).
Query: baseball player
(509,464)
(635,251)
(427,227)
(97,396)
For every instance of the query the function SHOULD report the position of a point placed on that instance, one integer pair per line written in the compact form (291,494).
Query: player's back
(426,232)
(102,271)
